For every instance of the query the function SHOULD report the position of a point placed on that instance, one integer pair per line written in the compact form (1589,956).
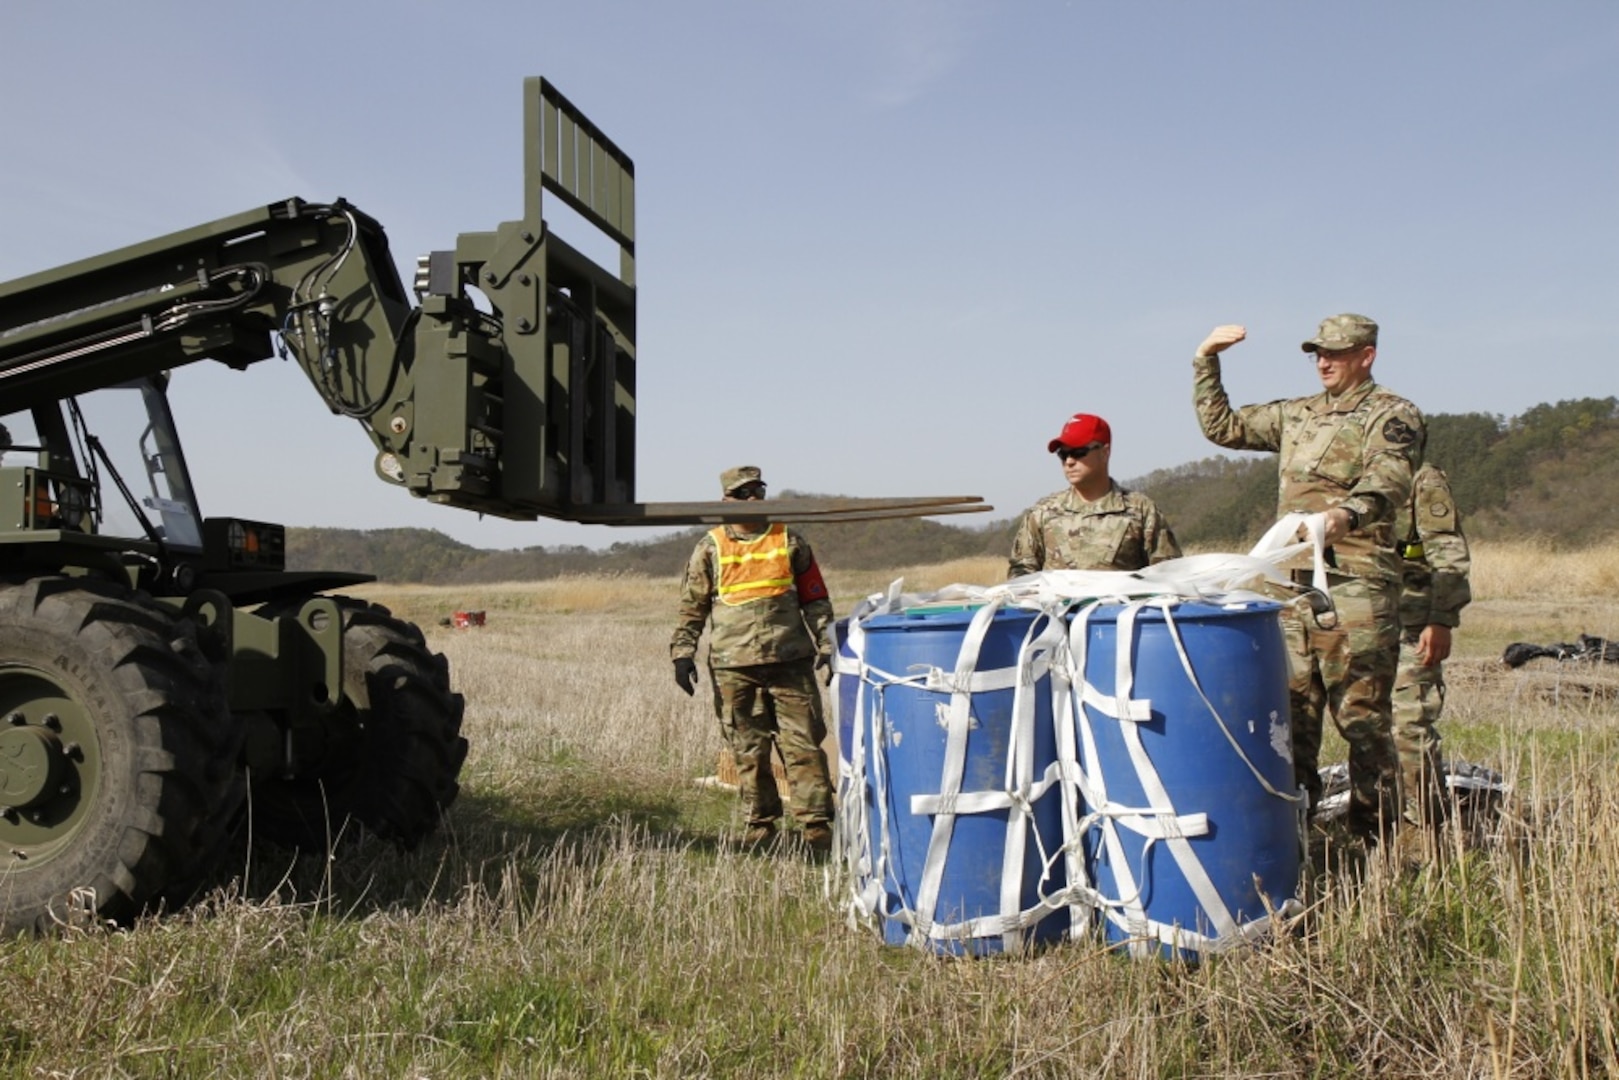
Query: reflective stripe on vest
(752,569)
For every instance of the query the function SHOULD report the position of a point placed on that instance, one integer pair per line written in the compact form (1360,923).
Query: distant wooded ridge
(1551,473)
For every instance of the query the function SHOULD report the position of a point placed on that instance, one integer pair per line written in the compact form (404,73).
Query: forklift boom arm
(506,385)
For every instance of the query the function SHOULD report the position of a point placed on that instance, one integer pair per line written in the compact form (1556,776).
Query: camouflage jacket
(1358,450)
(1122,530)
(1433,586)
(761,632)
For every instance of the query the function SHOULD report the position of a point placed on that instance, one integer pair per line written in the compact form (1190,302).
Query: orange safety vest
(750,570)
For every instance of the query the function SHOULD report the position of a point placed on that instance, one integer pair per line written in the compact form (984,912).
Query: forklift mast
(503,382)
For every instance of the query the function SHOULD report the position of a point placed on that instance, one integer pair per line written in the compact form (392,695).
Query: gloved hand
(823,664)
(686,675)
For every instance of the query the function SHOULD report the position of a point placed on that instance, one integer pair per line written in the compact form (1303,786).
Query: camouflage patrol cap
(741,476)
(1347,331)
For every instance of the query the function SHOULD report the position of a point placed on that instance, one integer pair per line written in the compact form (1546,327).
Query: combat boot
(818,837)
(759,835)
(1370,827)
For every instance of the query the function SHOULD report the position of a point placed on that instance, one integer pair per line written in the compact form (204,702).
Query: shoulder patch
(1398,432)
(1432,493)
(1436,504)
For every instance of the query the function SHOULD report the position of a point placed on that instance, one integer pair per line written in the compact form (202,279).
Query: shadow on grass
(487,841)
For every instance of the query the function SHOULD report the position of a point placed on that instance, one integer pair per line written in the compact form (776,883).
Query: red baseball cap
(1082,429)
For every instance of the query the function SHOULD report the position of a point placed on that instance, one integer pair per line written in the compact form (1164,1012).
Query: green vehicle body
(160,671)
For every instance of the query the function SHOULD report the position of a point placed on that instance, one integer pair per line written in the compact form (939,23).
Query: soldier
(1094,524)
(1434,589)
(1350,452)
(768,636)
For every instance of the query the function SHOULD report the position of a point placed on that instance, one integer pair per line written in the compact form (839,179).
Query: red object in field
(463,619)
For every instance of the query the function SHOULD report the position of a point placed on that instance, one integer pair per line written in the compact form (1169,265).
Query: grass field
(583,912)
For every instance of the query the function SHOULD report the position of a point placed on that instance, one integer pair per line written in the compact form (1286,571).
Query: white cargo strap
(1168,827)
(850,824)
(1280,543)
(1081,896)
(1021,788)
(1054,647)
(868,869)
(1092,785)
(980,802)
(1236,747)
(957,720)
(1180,937)
(1218,578)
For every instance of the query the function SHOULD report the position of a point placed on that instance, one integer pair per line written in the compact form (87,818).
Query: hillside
(426,555)
(1550,474)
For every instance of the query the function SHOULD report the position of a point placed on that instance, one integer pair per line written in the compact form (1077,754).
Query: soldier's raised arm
(1252,427)
(1221,338)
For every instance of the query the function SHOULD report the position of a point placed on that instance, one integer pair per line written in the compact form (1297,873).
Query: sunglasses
(749,491)
(1070,452)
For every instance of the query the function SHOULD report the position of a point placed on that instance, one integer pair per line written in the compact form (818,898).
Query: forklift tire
(400,775)
(118,754)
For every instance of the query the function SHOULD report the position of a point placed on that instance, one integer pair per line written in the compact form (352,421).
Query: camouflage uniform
(1123,530)
(1357,451)
(1434,589)
(762,656)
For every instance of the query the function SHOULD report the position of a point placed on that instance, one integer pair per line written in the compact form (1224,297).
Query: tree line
(1550,473)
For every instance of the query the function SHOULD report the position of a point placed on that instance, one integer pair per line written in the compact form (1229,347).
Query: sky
(884,247)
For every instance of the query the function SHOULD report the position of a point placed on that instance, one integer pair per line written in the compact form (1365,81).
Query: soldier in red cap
(1093,524)
(757,588)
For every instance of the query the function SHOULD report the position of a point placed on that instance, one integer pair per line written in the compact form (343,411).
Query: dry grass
(1524,571)
(617,593)
(979,571)
(582,914)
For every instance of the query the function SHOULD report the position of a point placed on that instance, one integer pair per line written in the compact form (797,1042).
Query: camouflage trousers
(776,705)
(1347,668)
(1419,699)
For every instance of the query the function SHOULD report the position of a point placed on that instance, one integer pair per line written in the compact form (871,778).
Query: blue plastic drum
(1226,772)
(906,737)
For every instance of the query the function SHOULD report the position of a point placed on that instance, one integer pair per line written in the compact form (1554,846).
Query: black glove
(823,664)
(686,675)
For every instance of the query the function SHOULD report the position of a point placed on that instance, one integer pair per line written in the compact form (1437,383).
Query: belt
(1307,578)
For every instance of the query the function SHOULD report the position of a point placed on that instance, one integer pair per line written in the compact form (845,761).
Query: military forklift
(165,681)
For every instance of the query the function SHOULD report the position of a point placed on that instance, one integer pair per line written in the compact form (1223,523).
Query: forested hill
(419,555)
(1551,473)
